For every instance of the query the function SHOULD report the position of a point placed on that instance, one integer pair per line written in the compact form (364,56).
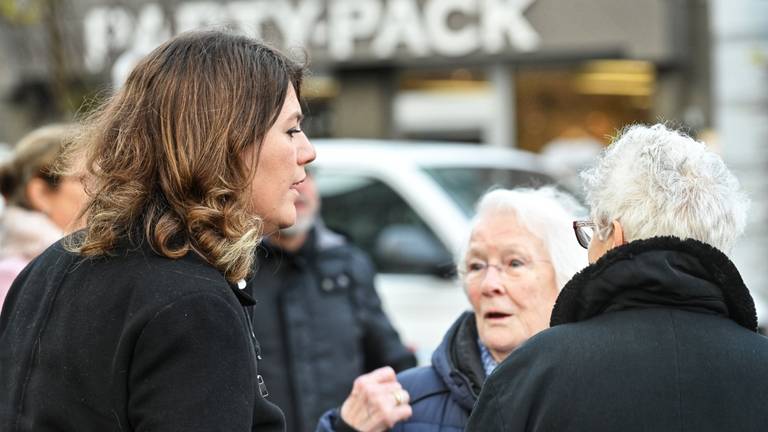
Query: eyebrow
(504,250)
(297,115)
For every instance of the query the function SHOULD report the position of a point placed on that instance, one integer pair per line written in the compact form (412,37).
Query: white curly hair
(660,182)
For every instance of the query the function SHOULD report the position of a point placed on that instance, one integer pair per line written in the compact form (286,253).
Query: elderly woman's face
(510,282)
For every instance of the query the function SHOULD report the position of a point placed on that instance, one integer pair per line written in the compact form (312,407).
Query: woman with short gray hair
(659,331)
(519,254)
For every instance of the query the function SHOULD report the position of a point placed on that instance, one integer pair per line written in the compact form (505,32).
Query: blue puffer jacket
(442,395)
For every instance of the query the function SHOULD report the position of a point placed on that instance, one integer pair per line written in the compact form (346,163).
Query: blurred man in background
(320,322)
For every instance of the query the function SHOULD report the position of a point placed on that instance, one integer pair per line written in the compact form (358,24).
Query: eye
(515,262)
(293,131)
(475,266)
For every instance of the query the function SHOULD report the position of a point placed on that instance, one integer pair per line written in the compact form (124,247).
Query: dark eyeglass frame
(582,237)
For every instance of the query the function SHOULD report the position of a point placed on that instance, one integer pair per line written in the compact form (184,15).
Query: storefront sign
(337,30)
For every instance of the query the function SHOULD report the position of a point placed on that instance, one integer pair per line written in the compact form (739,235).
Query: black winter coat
(320,324)
(657,335)
(132,342)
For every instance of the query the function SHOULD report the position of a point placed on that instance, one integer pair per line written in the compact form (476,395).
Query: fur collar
(658,272)
(26,233)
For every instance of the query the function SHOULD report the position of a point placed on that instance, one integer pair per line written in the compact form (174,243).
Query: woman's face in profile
(61,203)
(285,151)
(510,282)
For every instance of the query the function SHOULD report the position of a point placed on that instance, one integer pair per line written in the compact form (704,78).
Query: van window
(465,185)
(377,219)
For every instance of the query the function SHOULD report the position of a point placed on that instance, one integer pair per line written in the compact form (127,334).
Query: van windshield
(465,185)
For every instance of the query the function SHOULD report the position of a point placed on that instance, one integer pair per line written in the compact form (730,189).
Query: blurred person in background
(519,255)
(140,321)
(658,333)
(318,319)
(40,205)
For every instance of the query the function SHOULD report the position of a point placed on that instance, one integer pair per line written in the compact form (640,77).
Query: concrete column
(501,127)
(363,106)
(740,78)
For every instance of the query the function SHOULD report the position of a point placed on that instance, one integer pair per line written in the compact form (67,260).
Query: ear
(38,194)
(617,235)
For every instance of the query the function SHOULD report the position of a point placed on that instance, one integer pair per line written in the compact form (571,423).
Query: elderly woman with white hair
(659,332)
(518,257)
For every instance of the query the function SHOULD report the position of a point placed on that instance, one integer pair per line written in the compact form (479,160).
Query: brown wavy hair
(163,155)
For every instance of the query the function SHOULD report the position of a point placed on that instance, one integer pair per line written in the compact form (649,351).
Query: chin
(286,222)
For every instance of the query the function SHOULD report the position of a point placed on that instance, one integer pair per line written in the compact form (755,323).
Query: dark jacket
(657,335)
(442,395)
(131,342)
(320,324)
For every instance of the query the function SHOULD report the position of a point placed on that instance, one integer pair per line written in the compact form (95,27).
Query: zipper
(257,348)
(249,324)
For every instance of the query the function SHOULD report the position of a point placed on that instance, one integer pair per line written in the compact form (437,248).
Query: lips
(496,315)
(295,186)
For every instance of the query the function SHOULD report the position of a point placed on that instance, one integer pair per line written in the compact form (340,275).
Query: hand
(377,402)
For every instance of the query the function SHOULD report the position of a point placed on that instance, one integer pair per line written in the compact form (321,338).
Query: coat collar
(457,361)
(658,272)
(26,233)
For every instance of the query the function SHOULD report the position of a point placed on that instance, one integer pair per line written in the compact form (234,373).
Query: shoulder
(541,356)
(337,255)
(136,273)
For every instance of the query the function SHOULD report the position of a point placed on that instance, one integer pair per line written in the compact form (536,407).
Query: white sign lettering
(401,25)
(505,18)
(344,29)
(446,41)
(350,20)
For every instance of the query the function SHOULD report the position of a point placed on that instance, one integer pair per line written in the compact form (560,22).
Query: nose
(492,283)
(306,151)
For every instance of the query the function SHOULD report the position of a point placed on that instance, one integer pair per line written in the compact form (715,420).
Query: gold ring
(398,395)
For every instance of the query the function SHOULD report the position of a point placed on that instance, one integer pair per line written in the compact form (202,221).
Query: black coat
(657,335)
(320,324)
(132,342)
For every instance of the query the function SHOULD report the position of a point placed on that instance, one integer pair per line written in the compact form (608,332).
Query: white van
(408,204)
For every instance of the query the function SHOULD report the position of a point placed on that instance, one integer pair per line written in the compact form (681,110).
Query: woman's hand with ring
(377,402)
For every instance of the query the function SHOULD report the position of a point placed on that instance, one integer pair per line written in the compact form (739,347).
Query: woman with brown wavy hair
(140,322)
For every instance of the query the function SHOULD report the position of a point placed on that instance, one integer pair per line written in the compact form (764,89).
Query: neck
(289,243)
(498,355)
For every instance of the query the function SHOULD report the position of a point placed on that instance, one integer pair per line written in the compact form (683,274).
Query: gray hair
(548,214)
(660,182)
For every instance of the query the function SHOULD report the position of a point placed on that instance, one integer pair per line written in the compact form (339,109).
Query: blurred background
(553,77)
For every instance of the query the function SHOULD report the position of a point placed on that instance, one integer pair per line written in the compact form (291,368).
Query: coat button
(327,284)
(343,280)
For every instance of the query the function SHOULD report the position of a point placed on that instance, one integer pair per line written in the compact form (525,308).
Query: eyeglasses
(477,269)
(584,231)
